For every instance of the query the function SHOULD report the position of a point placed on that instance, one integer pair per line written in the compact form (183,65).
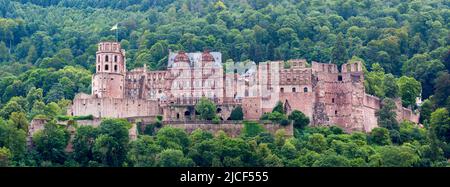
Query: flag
(115,27)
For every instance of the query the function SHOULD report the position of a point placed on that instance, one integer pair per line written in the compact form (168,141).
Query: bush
(88,117)
(216,120)
(237,114)
(67,118)
(285,122)
(252,129)
(149,129)
(300,119)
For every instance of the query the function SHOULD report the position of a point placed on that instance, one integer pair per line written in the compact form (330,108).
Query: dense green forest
(47,55)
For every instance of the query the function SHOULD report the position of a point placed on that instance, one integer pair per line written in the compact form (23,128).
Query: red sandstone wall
(114,108)
(252,108)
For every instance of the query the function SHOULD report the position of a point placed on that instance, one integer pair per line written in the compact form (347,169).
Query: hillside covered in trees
(47,54)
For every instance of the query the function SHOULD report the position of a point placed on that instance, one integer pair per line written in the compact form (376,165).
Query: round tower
(108,81)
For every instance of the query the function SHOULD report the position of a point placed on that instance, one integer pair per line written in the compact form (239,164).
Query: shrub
(252,129)
(216,120)
(285,122)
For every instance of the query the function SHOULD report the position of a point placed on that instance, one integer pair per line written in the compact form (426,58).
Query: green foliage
(5,157)
(339,51)
(440,124)
(83,144)
(379,136)
(206,108)
(252,129)
(398,156)
(299,119)
(51,143)
(143,152)
(67,118)
(387,117)
(237,114)
(278,108)
(173,158)
(215,120)
(409,90)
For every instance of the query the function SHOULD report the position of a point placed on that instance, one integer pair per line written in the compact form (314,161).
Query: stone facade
(327,95)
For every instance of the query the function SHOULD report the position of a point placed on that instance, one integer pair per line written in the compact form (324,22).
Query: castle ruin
(327,95)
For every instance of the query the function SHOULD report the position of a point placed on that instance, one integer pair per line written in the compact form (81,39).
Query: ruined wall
(251,107)
(232,130)
(114,108)
(371,105)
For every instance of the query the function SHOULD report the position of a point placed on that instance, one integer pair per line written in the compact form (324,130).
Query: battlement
(109,47)
(352,67)
(323,67)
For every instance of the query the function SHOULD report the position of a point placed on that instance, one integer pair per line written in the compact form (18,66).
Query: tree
(111,144)
(237,114)
(379,136)
(83,144)
(278,107)
(442,90)
(13,139)
(108,151)
(300,120)
(206,109)
(339,52)
(409,90)
(173,158)
(425,111)
(51,143)
(5,157)
(172,138)
(143,152)
(391,88)
(387,117)
(10,107)
(332,160)
(19,120)
(34,95)
(317,143)
(440,124)
(4,52)
(398,156)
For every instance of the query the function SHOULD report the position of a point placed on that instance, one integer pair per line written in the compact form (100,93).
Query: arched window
(115,58)
(282,90)
(106,58)
(115,68)
(305,89)
(293,90)
(332,100)
(98,68)
(106,67)
(335,112)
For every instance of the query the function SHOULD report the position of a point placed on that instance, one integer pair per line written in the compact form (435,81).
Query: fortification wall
(114,108)
(232,130)
(302,101)
(251,107)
